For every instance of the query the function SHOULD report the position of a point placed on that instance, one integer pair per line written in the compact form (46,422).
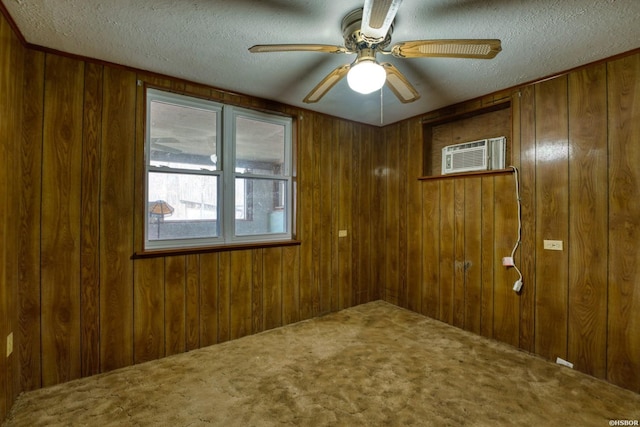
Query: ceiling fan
(367,32)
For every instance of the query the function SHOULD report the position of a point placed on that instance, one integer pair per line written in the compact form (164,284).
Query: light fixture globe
(366,76)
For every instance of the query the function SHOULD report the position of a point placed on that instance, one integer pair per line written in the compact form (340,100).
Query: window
(215,174)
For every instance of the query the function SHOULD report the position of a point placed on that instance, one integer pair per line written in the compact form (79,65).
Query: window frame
(225,173)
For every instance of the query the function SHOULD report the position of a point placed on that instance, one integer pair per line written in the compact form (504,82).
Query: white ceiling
(206,41)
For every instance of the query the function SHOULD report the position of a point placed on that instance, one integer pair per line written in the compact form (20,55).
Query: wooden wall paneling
(459,256)
(355,232)
(192,315)
(29,320)
(224,297)
(11,110)
(552,217)
(316,176)
(198,90)
(430,259)
(441,136)
(179,86)
(272,268)
(360,206)
(623,340)
(15,117)
(414,215)
(506,303)
(345,259)
(90,221)
(209,298)
(291,284)
(116,218)
(325,237)
(588,217)
(367,205)
(175,304)
(335,224)
(403,145)
(240,301)
(378,214)
(61,202)
(148,310)
(306,213)
(6,399)
(487,255)
(524,122)
(447,250)
(473,240)
(393,200)
(259,283)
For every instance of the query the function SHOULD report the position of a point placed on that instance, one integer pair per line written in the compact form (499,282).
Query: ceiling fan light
(366,77)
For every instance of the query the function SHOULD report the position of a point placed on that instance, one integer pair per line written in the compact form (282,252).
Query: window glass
(260,146)
(182,206)
(264,207)
(182,136)
(215,174)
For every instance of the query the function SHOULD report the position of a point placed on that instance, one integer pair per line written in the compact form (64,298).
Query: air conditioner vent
(469,159)
(484,154)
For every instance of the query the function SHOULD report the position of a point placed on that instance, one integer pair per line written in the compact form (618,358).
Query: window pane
(260,146)
(182,206)
(265,213)
(182,136)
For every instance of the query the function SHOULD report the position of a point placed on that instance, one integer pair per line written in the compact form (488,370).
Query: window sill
(466,174)
(211,249)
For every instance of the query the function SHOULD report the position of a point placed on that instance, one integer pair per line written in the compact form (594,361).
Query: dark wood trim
(213,249)
(466,174)
(448,118)
(13,25)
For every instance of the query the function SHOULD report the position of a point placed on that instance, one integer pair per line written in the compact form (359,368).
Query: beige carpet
(371,365)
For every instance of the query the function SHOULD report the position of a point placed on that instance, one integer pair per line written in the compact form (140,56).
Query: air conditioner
(484,154)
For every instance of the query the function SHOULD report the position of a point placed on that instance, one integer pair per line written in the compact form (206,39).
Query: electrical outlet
(9,344)
(342,233)
(507,261)
(553,245)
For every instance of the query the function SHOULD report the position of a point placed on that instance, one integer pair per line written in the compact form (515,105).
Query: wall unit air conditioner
(484,154)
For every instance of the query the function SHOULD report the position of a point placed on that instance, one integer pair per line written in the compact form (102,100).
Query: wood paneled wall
(87,307)
(576,141)
(11,74)
(72,172)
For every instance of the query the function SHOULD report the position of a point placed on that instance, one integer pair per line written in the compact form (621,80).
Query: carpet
(370,365)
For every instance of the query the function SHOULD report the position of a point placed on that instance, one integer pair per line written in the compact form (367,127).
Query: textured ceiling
(206,41)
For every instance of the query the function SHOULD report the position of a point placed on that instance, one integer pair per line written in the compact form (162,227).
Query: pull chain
(381,104)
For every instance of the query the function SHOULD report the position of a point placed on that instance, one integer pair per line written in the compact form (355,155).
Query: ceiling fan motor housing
(354,40)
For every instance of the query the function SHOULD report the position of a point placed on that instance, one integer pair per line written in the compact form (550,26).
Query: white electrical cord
(518,284)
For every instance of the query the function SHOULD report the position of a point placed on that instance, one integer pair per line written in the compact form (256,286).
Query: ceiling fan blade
(462,48)
(377,17)
(326,84)
(399,84)
(259,48)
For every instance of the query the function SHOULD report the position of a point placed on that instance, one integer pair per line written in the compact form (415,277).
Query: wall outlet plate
(342,233)
(553,245)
